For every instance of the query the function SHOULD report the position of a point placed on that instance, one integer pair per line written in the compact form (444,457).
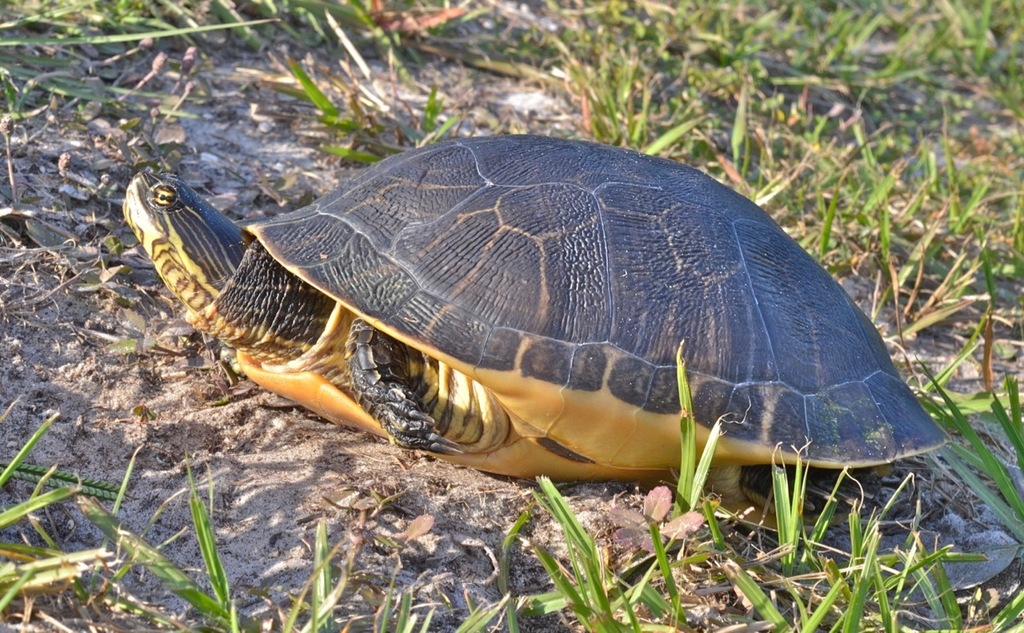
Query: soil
(87,332)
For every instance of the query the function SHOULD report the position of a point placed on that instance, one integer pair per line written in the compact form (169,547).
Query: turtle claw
(411,428)
(443,446)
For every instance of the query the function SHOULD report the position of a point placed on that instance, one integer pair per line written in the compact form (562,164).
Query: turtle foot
(377,380)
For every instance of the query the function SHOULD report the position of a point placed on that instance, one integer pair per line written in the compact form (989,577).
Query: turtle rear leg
(379,385)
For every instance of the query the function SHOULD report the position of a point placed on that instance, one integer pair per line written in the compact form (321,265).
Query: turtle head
(195,248)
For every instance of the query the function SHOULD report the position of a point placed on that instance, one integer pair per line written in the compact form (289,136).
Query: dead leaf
(416,528)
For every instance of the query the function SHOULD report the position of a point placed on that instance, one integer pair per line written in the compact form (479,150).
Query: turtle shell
(565,275)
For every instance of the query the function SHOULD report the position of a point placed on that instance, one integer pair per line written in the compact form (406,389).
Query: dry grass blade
(96,40)
(488,62)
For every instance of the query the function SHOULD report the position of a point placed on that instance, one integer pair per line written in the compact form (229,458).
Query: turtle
(516,304)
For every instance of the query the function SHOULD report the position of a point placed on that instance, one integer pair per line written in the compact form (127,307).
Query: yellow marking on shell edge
(612,432)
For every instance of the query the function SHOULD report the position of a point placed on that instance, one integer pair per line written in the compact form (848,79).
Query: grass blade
(142,552)
(12,515)
(208,545)
(753,592)
(685,492)
(26,448)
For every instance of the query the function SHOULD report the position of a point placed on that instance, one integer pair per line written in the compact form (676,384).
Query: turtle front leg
(379,385)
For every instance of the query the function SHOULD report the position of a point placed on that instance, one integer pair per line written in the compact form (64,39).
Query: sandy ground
(89,333)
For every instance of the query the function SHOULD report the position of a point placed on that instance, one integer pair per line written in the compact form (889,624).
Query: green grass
(887,139)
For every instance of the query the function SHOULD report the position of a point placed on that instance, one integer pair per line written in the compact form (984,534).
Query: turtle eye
(164,196)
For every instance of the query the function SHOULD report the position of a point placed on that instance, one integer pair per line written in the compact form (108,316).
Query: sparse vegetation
(889,140)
